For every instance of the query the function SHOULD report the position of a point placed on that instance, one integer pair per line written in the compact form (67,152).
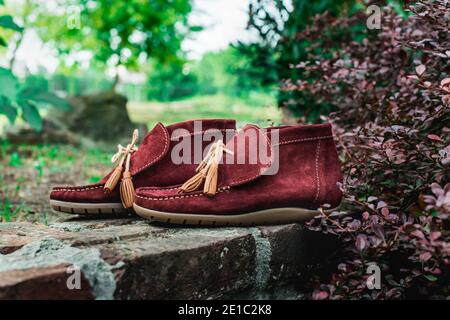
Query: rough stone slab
(187,264)
(135,259)
(41,283)
(15,235)
(80,233)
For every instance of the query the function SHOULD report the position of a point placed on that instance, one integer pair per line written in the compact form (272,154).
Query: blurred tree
(18,98)
(117,33)
(227,71)
(278,23)
(23,14)
(8,27)
(214,72)
(259,65)
(171,81)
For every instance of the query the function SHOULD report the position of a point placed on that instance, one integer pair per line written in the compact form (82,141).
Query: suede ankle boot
(149,164)
(261,176)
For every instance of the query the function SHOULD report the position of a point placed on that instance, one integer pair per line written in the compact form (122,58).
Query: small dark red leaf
(434,137)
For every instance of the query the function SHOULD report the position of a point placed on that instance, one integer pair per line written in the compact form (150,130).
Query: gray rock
(100,116)
(135,259)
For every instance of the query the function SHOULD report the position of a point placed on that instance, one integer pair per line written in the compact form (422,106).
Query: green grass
(258,108)
(29,172)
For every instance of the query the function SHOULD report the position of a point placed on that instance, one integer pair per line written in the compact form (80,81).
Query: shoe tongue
(252,157)
(152,148)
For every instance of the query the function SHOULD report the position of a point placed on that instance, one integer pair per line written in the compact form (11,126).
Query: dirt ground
(29,172)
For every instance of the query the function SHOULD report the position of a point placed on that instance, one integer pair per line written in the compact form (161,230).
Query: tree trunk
(116,81)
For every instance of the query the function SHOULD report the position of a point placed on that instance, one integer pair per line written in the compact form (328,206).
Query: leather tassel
(113,179)
(207,171)
(193,183)
(210,187)
(127,190)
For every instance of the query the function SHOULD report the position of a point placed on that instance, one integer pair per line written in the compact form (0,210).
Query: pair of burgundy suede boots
(204,172)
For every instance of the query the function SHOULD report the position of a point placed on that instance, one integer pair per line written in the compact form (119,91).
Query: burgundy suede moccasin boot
(261,176)
(156,162)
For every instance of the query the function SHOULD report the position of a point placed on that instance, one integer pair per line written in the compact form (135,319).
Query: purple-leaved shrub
(391,90)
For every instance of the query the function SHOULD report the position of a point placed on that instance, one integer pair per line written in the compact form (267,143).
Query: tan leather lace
(207,171)
(123,156)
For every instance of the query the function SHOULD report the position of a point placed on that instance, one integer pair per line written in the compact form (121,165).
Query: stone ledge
(29,284)
(134,259)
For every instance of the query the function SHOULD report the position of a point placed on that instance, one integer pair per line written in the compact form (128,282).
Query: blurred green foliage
(17,98)
(117,33)
(223,72)
(278,23)
(169,82)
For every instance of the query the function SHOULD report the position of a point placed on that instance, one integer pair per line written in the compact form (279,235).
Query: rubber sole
(88,208)
(263,217)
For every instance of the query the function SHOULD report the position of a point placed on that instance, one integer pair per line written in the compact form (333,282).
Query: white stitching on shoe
(158,188)
(317,172)
(303,140)
(180,196)
(75,190)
